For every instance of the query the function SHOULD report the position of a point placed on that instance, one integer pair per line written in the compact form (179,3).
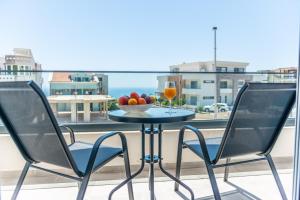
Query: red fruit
(134,95)
(148,100)
(123,100)
(142,101)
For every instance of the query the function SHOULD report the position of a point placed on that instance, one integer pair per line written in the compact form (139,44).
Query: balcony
(226,90)
(247,181)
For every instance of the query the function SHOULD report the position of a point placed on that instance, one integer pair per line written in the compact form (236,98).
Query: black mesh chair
(29,119)
(258,115)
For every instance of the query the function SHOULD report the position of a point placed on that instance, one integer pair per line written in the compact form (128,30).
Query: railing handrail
(141,71)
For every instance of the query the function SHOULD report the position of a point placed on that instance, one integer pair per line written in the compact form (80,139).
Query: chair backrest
(258,115)
(28,117)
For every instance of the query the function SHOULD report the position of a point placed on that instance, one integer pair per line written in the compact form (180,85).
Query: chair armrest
(70,130)
(98,143)
(200,137)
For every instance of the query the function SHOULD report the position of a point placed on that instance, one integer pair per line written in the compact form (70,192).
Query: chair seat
(81,152)
(212,144)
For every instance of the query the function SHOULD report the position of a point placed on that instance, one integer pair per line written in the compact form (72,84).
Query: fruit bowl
(135,108)
(136,103)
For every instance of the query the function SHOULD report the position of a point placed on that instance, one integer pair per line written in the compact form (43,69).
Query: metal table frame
(151,159)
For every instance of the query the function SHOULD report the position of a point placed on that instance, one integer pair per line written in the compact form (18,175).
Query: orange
(132,101)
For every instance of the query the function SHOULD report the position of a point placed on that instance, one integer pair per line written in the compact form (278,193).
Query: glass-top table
(153,117)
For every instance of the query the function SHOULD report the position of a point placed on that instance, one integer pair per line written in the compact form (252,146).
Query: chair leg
(213,181)
(276,176)
(226,173)
(78,185)
(83,187)
(178,162)
(128,175)
(21,180)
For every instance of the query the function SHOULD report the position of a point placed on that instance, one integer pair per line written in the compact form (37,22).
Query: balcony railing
(85,106)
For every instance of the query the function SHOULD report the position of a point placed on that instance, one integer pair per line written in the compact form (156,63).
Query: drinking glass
(170,92)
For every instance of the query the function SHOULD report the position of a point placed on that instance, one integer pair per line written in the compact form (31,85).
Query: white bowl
(135,108)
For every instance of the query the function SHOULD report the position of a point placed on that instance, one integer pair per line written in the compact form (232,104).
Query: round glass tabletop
(152,116)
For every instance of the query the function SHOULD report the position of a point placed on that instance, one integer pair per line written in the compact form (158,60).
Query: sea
(118,92)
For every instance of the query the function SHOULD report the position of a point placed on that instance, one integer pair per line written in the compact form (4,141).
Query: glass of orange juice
(170,92)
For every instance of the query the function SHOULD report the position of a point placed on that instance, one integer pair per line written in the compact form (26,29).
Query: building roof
(220,63)
(79,98)
(22,52)
(60,77)
(285,68)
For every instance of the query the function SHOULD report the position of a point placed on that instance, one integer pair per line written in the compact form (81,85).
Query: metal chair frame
(83,179)
(212,164)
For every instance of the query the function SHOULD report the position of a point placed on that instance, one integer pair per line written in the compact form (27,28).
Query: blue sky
(151,35)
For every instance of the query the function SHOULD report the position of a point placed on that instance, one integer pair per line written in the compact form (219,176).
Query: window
(194,84)
(239,69)
(193,100)
(21,70)
(77,79)
(26,69)
(223,84)
(8,69)
(221,69)
(208,81)
(175,69)
(208,97)
(15,69)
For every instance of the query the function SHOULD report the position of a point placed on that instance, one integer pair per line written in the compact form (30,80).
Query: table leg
(151,169)
(151,159)
(164,171)
(140,169)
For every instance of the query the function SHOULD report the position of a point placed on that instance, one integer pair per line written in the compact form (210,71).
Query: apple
(134,95)
(123,100)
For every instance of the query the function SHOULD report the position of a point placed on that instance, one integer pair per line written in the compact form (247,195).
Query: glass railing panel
(87,97)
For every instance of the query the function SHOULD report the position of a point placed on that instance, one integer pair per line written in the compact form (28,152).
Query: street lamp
(215,45)
(215,64)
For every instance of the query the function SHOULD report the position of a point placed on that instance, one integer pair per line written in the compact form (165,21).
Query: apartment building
(277,75)
(78,84)
(2,61)
(285,74)
(203,87)
(18,67)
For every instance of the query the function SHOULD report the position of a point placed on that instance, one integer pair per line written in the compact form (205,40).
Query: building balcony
(226,90)
(191,91)
(246,181)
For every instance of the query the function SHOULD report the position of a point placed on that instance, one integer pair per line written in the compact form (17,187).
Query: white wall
(12,160)
(206,89)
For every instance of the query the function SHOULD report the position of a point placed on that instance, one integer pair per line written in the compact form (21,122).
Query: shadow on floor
(237,194)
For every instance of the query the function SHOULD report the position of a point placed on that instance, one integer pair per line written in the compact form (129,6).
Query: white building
(205,88)
(18,67)
(2,61)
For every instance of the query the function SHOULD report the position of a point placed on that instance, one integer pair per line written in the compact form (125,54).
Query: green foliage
(199,109)
(113,106)
(175,102)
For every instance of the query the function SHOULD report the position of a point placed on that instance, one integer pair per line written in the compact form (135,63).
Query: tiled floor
(248,186)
